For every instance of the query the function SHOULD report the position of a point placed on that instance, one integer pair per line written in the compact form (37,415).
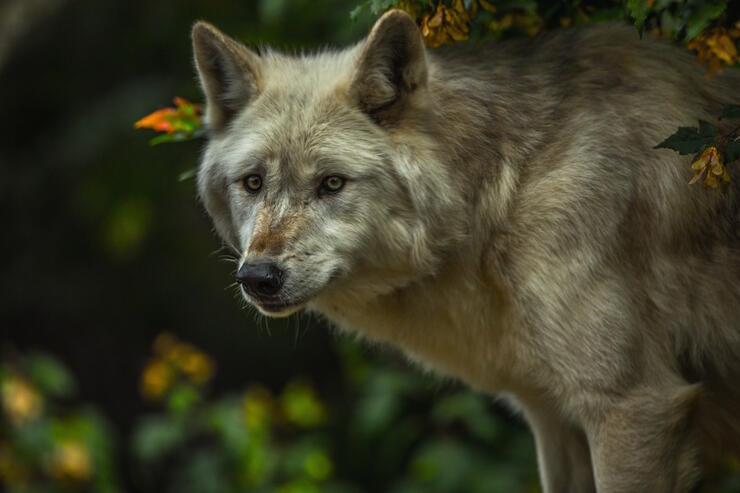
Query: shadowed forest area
(128,359)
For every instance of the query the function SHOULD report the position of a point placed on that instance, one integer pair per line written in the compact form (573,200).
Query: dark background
(103,248)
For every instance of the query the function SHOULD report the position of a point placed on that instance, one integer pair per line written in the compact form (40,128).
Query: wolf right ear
(392,63)
(228,72)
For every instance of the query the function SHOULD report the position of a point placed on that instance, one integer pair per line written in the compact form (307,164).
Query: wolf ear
(391,64)
(228,72)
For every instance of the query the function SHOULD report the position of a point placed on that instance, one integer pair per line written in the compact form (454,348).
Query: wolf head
(320,169)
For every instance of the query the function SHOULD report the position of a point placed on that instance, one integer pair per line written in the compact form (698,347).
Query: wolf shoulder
(578,114)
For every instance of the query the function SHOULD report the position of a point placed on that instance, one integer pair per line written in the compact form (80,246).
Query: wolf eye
(331,184)
(252,183)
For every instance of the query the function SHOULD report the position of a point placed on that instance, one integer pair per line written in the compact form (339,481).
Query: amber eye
(332,184)
(252,183)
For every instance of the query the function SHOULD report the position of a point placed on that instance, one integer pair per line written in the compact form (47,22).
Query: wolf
(501,215)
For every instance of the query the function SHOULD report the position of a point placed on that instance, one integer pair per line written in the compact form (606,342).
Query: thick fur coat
(500,214)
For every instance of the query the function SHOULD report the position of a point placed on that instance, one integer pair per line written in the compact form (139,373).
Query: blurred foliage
(449,21)
(103,250)
(716,47)
(47,445)
(257,440)
(260,441)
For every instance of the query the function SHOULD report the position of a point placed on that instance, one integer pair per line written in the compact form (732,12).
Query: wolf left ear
(228,72)
(392,63)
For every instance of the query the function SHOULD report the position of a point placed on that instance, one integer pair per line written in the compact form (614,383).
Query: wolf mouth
(280,305)
(275,306)
(278,310)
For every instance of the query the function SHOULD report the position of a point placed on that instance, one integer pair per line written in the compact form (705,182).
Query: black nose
(260,280)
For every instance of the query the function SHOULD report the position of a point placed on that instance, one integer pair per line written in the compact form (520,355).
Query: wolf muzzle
(261,280)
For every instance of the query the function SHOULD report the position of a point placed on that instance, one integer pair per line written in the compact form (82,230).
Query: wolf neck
(458,324)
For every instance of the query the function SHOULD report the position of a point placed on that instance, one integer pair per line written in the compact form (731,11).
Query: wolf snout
(260,280)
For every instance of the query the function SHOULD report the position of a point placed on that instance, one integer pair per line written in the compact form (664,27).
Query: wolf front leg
(563,457)
(646,442)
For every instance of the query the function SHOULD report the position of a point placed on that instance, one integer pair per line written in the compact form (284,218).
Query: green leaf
(375,413)
(706,129)
(34,438)
(181,136)
(205,470)
(301,456)
(156,436)
(688,140)
(700,18)
(301,405)
(176,137)
(318,466)
(94,432)
(528,6)
(355,12)
(731,111)
(379,6)
(182,398)
(444,463)
(187,174)
(226,420)
(50,376)
(732,151)
(608,14)
(638,9)
(670,22)
(469,409)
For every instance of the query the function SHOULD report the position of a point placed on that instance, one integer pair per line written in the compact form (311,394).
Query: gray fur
(505,221)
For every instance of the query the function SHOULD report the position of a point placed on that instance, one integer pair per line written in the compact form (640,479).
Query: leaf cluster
(46,445)
(712,149)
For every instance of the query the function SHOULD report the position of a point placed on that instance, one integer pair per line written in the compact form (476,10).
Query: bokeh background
(103,249)
(129,362)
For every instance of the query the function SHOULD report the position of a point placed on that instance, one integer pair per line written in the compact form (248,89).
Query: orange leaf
(158,120)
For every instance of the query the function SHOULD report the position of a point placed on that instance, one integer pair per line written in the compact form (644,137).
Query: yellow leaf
(459,6)
(487,6)
(704,159)
(716,47)
(456,34)
(438,18)
(21,401)
(70,461)
(448,24)
(156,379)
(727,48)
(717,168)
(715,67)
(696,177)
(710,162)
